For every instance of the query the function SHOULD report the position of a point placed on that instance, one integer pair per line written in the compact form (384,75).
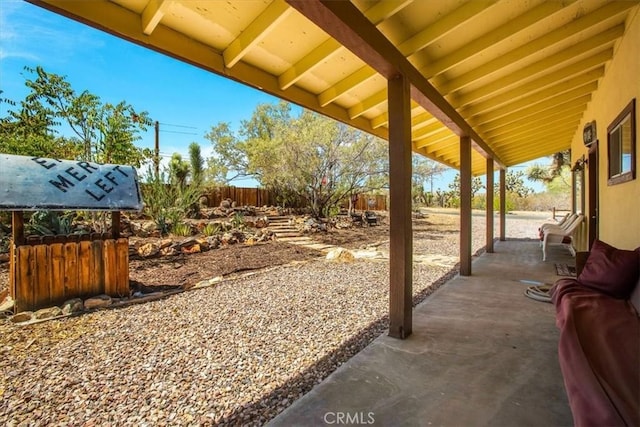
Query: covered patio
(481,354)
(478,86)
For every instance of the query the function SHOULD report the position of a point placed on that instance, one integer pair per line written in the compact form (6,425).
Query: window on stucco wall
(621,146)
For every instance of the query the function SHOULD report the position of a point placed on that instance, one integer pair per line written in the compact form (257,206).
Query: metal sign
(37,183)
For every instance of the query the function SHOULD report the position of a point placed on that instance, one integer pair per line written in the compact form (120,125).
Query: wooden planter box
(47,274)
(46,271)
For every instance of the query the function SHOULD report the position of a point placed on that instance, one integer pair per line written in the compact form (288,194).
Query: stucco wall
(619,205)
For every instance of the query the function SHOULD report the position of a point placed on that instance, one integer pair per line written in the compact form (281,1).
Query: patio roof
(514,77)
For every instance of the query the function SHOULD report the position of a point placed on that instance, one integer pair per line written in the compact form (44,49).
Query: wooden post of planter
(401,244)
(465,206)
(489,200)
(17,227)
(115,224)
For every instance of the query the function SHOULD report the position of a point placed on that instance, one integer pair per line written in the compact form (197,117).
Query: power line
(178,126)
(176,131)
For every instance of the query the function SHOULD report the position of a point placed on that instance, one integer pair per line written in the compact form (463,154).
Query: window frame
(629,175)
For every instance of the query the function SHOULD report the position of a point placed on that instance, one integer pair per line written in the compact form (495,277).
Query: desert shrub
(181,229)
(237,221)
(50,223)
(168,204)
(211,229)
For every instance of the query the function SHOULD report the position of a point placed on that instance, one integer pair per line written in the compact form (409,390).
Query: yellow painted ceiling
(520,73)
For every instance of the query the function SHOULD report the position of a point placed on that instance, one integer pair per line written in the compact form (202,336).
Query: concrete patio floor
(481,354)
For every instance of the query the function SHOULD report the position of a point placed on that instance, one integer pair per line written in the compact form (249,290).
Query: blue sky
(186,100)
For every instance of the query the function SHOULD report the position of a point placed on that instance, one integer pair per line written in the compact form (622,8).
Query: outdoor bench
(597,314)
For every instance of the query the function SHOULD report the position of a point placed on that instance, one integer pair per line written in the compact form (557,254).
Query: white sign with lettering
(37,183)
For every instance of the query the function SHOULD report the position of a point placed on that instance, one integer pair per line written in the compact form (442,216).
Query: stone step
(292,234)
(296,239)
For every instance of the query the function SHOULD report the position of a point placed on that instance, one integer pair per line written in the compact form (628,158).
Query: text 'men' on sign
(36,183)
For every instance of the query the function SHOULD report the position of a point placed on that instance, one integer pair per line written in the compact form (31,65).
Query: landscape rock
(47,313)
(25,316)
(71,306)
(341,255)
(97,302)
(170,251)
(192,249)
(164,243)
(148,250)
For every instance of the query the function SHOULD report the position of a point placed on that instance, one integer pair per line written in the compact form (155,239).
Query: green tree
(308,156)
(103,133)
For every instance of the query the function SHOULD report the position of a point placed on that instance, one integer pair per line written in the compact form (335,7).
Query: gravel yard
(236,353)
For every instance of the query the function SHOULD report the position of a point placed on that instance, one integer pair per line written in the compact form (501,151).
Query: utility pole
(157,151)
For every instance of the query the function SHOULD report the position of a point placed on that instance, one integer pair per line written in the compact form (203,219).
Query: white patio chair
(561,236)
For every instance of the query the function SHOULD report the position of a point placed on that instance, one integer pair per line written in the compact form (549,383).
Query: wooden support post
(115,224)
(489,200)
(503,204)
(17,227)
(401,244)
(465,206)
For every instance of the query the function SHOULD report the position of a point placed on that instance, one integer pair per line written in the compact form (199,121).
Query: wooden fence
(263,197)
(241,196)
(48,271)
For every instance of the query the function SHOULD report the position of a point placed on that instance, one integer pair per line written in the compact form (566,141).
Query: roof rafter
(513,101)
(409,47)
(255,32)
(557,103)
(376,14)
(541,119)
(565,56)
(153,13)
(535,126)
(344,22)
(542,42)
(489,39)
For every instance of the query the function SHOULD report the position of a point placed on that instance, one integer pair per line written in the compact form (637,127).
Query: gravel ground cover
(234,354)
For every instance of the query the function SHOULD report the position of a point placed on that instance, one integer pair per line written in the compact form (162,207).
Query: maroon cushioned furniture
(599,345)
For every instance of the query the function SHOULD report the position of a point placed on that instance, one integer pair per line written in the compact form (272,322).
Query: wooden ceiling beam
(547,116)
(494,96)
(540,134)
(469,50)
(376,14)
(596,17)
(344,22)
(255,32)
(525,73)
(557,103)
(443,26)
(578,86)
(109,17)
(429,139)
(328,48)
(368,104)
(409,47)
(153,13)
(534,126)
